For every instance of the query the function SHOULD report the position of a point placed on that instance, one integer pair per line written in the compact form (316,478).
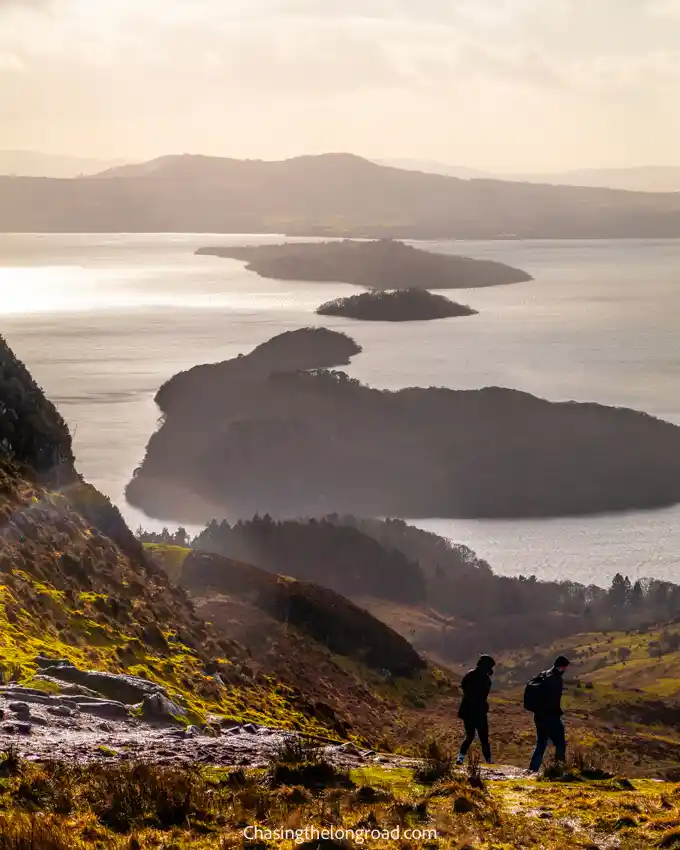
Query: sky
(512,85)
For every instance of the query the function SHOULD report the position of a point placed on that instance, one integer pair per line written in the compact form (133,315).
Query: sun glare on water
(45,289)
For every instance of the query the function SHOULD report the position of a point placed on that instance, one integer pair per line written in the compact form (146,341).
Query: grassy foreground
(56,806)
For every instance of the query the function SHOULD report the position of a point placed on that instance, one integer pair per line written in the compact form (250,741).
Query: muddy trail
(73,722)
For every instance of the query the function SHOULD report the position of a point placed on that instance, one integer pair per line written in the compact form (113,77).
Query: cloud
(364,72)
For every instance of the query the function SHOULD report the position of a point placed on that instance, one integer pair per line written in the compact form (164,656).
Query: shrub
(438,763)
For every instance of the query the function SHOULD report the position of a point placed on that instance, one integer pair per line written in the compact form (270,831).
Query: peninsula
(378,264)
(261,434)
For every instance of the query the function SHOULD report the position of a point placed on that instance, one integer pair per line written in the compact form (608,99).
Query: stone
(16,728)
(350,749)
(158,708)
(67,689)
(107,709)
(21,709)
(61,710)
(43,661)
(120,687)
(250,727)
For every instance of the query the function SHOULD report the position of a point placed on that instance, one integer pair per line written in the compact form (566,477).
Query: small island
(275,431)
(400,305)
(380,264)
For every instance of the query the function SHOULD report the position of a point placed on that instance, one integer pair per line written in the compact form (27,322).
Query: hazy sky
(509,84)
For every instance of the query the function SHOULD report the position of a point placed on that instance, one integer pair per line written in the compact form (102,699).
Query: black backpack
(535,693)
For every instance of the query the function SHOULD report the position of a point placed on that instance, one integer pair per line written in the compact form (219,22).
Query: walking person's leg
(542,737)
(470,729)
(483,732)
(559,739)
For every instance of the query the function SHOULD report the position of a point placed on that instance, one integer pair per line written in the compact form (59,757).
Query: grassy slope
(68,591)
(130,806)
(337,683)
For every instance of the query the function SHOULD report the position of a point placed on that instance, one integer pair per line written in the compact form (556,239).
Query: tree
(620,590)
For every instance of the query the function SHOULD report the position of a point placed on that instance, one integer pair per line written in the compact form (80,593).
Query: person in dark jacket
(476,685)
(548,718)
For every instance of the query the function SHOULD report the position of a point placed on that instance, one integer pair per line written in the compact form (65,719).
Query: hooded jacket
(476,686)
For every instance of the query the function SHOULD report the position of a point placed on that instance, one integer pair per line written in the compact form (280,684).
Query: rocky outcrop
(115,686)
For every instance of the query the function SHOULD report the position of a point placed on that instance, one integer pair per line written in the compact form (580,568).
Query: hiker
(476,685)
(543,697)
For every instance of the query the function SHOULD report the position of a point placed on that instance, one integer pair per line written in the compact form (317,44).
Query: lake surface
(102,321)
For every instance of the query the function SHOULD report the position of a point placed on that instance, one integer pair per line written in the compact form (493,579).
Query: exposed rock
(17,728)
(61,710)
(250,727)
(107,709)
(21,709)
(66,688)
(159,708)
(349,748)
(116,686)
(43,662)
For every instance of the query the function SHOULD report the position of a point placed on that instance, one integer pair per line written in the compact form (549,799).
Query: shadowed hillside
(344,666)
(332,194)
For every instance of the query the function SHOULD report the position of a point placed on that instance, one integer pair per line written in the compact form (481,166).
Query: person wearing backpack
(474,707)
(543,697)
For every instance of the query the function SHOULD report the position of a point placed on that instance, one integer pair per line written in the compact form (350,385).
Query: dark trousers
(476,724)
(548,729)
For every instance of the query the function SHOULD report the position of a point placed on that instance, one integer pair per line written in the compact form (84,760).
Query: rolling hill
(332,195)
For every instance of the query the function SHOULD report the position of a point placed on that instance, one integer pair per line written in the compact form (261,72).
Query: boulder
(21,709)
(38,698)
(16,728)
(115,686)
(65,688)
(61,710)
(158,708)
(107,709)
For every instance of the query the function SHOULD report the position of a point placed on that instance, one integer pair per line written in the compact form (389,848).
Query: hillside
(438,595)
(331,194)
(377,265)
(641,178)
(343,665)
(76,586)
(248,436)
(623,690)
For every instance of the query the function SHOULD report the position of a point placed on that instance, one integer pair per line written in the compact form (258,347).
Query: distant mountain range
(36,164)
(652,178)
(327,195)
